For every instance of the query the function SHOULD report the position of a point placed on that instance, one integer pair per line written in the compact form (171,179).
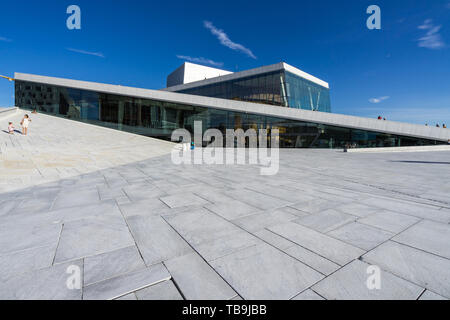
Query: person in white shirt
(25,122)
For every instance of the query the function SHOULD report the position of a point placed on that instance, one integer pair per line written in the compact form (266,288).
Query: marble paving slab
(361,235)
(92,236)
(156,239)
(197,280)
(165,290)
(433,237)
(126,283)
(43,284)
(326,220)
(350,283)
(263,272)
(424,269)
(335,250)
(111,264)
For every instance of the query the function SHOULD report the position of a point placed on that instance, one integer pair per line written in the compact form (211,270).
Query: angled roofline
(305,75)
(332,119)
(248,73)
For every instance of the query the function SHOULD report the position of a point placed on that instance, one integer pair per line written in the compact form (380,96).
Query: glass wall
(265,88)
(304,94)
(278,88)
(158,119)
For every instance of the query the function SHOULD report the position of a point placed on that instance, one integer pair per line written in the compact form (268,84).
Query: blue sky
(401,72)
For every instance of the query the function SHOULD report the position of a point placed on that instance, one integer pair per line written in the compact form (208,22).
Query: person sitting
(10,128)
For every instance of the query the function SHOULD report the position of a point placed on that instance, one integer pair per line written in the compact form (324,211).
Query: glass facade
(304,94)
(265,88)
(280,88)
(158,119)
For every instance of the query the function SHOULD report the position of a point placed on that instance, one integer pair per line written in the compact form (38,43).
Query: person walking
(25,123)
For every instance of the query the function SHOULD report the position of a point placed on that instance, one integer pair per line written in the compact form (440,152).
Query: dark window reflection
(277,88)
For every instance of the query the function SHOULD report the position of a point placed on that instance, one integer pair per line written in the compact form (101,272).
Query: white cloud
(378,100)
(201,60)
(432,39)
(5,39)
(426,24)
(224,40)
(97,54)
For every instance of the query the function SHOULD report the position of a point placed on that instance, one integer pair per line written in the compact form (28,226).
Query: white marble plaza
(113,206)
